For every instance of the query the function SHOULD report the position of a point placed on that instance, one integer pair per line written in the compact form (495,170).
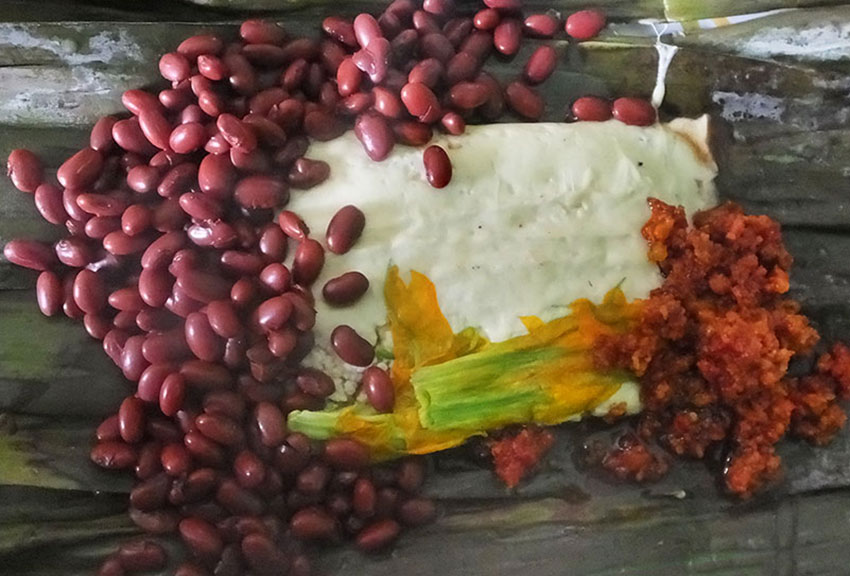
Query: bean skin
(524,101)
(378,535)
(585,24)
(345,289)
(344,229)
(591,109)
(634,111)
(307,173)
(29,254)
(308,262)
(292,225)
(131,419)
(346,454)
(314,524)
(540,65)
(507,36)
(49,293)
(379,389)
(201,537)
(375,135)
(24,168)
(438,166)
(113,455)
(81,169)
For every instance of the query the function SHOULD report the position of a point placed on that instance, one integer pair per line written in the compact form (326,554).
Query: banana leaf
(785,153)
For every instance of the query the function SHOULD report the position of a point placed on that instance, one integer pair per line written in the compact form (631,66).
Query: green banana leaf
(786,151)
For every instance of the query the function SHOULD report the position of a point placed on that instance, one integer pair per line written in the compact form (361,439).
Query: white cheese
(535,217)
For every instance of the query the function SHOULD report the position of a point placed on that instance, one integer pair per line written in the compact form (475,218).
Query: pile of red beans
(174,258)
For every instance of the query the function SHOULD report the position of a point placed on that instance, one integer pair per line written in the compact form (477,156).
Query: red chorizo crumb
(712,350)
(616,412)
(515,455)
(631,459)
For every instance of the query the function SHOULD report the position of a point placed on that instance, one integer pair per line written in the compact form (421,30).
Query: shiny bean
(48,202)
(248,469)
(366,29)
(220,429)
(260,192)
(131,419)
(541,25)
(276,277)
(201,537)
(344,229)
(262,102)
(143,179)
(216,175)
(378,535)
(150,494)
(341,30)
(24,168)
(375,135)
(199,484)
(348,77)
(100,138)
(438,166)
(412,133)
(585,24)
(191,113)
(306,173)
(453,123)
(310,257)
(203,286)
(379,389)
(212,67)
(187,138)
(290,115)
(89,291)
(261,32)
(421,102)
(150,382)
(98,227)
(172,394)
(155,127)
(270,422)
(591,109)
(35,255)
(201,339)
(129,136)
(486,19)
(468,95)
(162,250)
(154,286)
(113,455)
(540,65)
(175,99)
(315,383)
(506,5)
(211,103)
(126,299)
(634,111)
(345,289)
(243,292)
(463,66)
(175,459)
(113,345)
(363,498)
(137,100)
(204,450)
(49,293)
(346,454)
(274,313)
(81,169)
(155,319)
(97,326)
(135,219)
(314,524)
(194,46)
(243,77)
(178,180)
(174,67)
(425,23)
(351,347)
(524,101)
(69,306)
(237,133)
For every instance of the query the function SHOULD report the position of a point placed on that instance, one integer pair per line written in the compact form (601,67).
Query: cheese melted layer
(535,217)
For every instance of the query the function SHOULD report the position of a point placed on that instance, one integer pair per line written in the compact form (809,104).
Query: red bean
(274,313)
(171,394)
(150,494)
(48,202)
(379,389)
(126,299)
(98,227)
(164,347)
(49,293)
(238,500)
(375,135)
(261,32)
(438,166)
(137,100)
(248,469)
(507,36)
(439,7)
(194,46)
(541,25)
(344,229)
(143,179)
(348,77)
(211,103)
(260,192)
(270,422)
(540,65)
(24,168)
(120,244)
(366,29)
(421,102)
(113,455)
(292,225)
(412,133)
(308,262)
(30,254)
(201,339)
(263,555)
(506,5)
(204,450)
(220,429)
(378,535)
(463,66)
(187,138)
(315,383)
(174,67)
(131,419)
(417,511)
(202,538)
(322,126)
(101,204)
(129,136)
(135,219)
(486,19)
(101,134)
(307,173)
(97,326)
(591,109)
(175,459)
(524,101)
(276,277)
(111,567)
(585,24)
(411,474)
(237,133)
(142,556)
(176,99)
(216,175)
(453,123)
(203,286)
(168,216)
(178,180)
(155,127)
(468,95)
(363,498)
(634,111)
(345,289)
(81,169)
(314,524)
(89,292)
